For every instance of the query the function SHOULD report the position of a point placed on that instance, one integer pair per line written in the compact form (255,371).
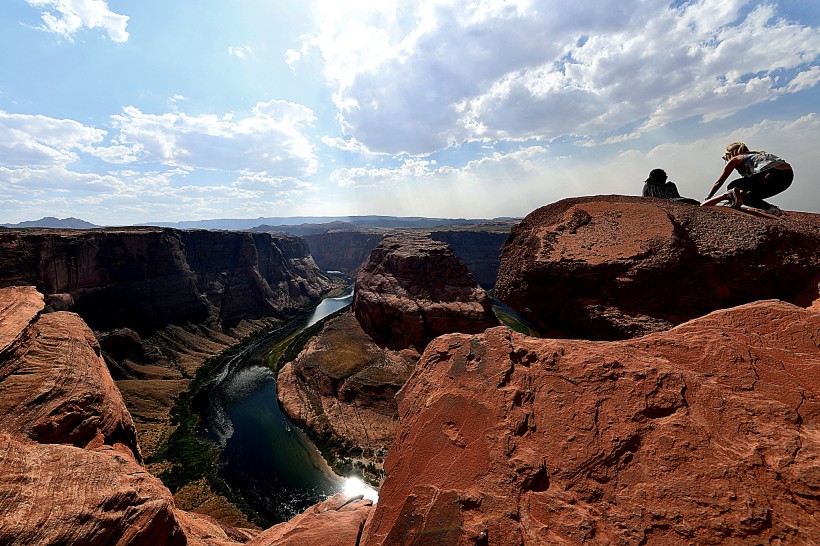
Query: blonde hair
(735,149)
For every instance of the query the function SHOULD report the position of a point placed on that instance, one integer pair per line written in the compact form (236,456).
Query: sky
(135,111)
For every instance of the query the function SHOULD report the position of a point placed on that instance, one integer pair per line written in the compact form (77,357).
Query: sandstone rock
(612,267)
(337,521)
(344,383)
(413,289)
(704,434)
(56,388)
(58,494)
(478,248)
(19,307)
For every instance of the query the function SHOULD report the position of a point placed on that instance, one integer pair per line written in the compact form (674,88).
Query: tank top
(757,162)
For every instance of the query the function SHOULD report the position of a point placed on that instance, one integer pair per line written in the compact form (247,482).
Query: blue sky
(132,111)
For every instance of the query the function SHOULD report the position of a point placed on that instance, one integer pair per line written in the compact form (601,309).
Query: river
(264,457)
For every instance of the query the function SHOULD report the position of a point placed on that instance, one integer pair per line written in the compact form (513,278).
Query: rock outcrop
(704,434)
(55,387)
(336,521)
(478,248)
(58,494)
(413,289)
(613,267)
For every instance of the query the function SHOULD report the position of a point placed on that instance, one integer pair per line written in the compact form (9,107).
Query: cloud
(270,139)
(35,140)
(350,145)
(70,16)
(418,77)
(241,52)
(276,185)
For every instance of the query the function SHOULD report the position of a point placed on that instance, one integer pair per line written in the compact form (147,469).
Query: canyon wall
(147,278)
(613,267)
(478,248)
(162,301)
(70,465)
(344,251)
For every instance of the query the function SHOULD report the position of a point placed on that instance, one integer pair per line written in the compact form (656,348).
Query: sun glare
(355,486)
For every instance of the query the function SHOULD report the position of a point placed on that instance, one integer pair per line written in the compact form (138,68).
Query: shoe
(774,210)
(735,198)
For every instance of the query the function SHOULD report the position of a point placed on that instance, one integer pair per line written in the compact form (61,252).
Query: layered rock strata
(344,251)
(478,248)
(612,267)
(413,289)
(161,301)
(147,278)
(704,434)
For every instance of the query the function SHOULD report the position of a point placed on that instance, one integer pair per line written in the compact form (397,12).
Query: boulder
(413,289)
(704,434)
(613,267)
(56,387)
(59,494)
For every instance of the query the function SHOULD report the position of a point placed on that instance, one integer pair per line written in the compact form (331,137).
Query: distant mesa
(53,223)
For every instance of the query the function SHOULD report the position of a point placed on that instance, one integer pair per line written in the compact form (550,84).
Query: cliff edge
(614,267)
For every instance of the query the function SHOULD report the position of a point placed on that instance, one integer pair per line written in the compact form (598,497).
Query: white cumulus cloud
(418,77)
(69,16)
(36,140)
(270,139)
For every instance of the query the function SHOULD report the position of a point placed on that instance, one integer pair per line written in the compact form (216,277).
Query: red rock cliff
(612,267)
(704,434)
(148,278)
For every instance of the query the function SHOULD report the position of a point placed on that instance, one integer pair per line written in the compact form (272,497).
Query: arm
(727,170)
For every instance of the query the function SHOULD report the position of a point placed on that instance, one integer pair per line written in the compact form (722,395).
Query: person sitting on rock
(764,175)
(657,186)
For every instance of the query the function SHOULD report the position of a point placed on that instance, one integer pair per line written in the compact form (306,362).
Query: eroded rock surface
(612,267)
(705,434)
(337,521)
(55,387)
(342,382)
(413,289)
(59,494)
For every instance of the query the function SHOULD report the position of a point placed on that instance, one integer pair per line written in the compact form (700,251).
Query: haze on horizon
(125,112)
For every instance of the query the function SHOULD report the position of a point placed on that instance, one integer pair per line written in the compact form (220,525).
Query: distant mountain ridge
(53,223)
(293,225)
(298,225)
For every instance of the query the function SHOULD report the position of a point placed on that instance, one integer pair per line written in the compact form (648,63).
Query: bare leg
(715,200)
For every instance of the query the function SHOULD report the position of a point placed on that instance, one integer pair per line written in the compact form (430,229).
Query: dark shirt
(666,191)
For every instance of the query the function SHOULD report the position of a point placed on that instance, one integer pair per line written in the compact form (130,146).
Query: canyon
(672,398)
(343,384)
